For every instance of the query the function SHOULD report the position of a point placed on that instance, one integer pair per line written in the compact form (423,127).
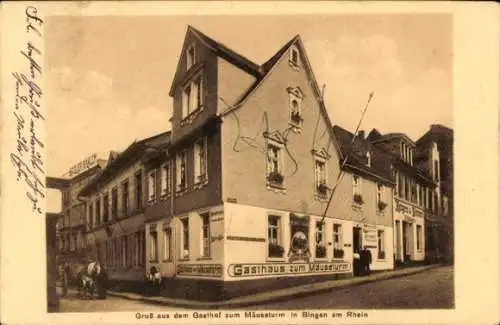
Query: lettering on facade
(206,270)
(83,165)
(271,269)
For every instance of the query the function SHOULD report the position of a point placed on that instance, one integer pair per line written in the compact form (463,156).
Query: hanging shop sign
(299,242)
(277,269)
(205,270)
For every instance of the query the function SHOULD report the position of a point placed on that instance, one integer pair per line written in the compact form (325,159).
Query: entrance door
(405,241)
(397,240)
(169,257)
(356,239)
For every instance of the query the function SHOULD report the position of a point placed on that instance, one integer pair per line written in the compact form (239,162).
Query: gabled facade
(414,195)
(250,168)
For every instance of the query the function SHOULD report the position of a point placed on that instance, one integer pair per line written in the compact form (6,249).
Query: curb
(229,304)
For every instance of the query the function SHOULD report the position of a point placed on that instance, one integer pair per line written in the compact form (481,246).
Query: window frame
(279,161)
(294,62)
(190,62)
(114,203)
(319,232)
(337,234)
(153,244)
(167,245)
(181,157)
(380,244)
(322,158)
(279,235)
(125,194)
(192,92)
(200,176)
(166,178)
(152,185)
(295,94)
(205,243)
(185,254)
(418,231)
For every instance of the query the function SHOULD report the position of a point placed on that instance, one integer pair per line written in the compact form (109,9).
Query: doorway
(356,239)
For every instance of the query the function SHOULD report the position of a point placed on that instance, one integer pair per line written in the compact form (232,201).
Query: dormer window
(294,57)
(190,57)
(192,98)
(368,159)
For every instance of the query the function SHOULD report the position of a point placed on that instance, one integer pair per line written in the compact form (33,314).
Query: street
(72,303)
(432,289)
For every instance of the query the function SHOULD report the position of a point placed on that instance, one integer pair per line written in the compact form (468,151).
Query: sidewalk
(271,296)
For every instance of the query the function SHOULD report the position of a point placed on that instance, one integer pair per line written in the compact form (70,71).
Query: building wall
(414,215)
(232,82)
(209,194)
(267,109)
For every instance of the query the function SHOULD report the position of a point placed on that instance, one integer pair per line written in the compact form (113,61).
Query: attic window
(294,57)
(190,57)
(368,159)
(295,107)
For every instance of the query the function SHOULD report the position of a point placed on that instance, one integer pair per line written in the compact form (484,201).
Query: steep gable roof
(380,165)
(220,50)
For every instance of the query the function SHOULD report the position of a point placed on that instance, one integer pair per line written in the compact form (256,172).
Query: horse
(86,279)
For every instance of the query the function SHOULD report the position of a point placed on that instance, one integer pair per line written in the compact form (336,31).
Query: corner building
(235,201)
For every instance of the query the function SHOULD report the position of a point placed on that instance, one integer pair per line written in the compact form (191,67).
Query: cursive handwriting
(28,161)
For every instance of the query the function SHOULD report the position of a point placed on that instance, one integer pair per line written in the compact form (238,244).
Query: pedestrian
(357,262)
(65,278)
(367,260)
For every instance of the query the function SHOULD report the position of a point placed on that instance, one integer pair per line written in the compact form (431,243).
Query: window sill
(184,260)
(200,184)
(169,260)
(191,116)
(153,261)
(204,258)
(296,127)
(294,66)
(277,188)
(181,192)
(275,259)
(356,206)
(321,197)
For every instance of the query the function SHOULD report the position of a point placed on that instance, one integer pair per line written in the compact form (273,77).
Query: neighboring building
(414,195)
(235,201)
(439,230)
(71,226)
(115,202)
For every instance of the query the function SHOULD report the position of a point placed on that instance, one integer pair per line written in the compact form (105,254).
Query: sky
(108,78)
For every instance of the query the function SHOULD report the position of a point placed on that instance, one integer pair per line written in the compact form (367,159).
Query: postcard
(249,162)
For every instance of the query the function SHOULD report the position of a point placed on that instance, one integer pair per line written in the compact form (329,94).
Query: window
(205,235)
(192,96)
(356,188)
(190,57)
(166,179)
(275,249)
(153,247)
(320,176)
(124,250)
(167,239)
(200,161)
(418,191)
(380,192)
(381,244)
(98,211)
(105,211)
(294,57)
(436,171)
(125,198)
(181,171)
(295,106)
(274,173)
(368,159)
(419,237)
(118,252)
(114,203)
(152,186)
(320,240)
(407,188)
(185,238)
(91,221)
(138,190)
(338,252)
(141,249)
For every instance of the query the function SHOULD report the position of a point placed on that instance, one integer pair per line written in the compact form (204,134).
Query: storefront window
(205,235)
(185,238)
(320,240)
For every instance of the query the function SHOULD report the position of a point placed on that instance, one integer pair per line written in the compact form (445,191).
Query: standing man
(65,278)
(367,260)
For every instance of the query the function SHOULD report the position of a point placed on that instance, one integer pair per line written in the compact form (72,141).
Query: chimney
(361,134)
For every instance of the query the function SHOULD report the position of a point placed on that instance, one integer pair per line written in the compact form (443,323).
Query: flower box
(322,188)
(320,251)
(382,205)
(381,255)
(358,198)
(275,177)
(275,250)
(296,118)
(338,253)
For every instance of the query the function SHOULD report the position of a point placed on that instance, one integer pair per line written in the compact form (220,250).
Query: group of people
(89,278)
(362,261)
